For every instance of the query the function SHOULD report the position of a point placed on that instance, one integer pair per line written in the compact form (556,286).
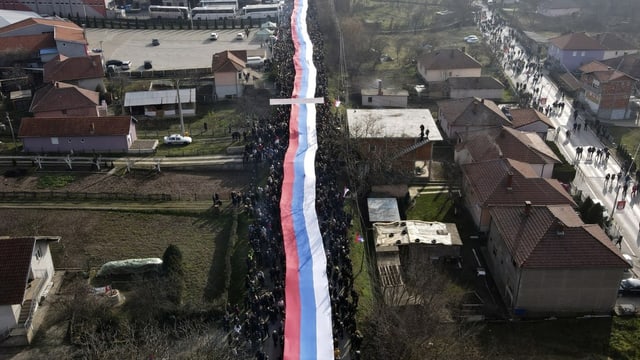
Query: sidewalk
(590,173)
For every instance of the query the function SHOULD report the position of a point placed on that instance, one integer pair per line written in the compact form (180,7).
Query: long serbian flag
(307,329)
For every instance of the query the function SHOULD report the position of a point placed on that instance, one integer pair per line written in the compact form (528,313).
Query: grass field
(91,238)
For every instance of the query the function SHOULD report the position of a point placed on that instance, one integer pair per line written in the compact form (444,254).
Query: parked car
(629,286)
(240,36)
(471,39)
(126,65)
(213,36)
(155,42)
(148,65)
(114,62)
(177,139)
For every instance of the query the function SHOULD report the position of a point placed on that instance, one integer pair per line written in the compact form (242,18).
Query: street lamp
(615,201)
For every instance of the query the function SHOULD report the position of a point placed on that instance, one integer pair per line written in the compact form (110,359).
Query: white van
(255,61)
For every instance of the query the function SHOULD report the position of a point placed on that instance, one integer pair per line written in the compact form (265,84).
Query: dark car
(629,286)
(148,65)
(155,42)
(114,62)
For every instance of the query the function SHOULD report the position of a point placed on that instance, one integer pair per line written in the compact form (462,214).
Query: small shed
(384,98)
(161,103)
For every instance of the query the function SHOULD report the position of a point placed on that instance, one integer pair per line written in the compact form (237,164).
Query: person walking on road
(619,242)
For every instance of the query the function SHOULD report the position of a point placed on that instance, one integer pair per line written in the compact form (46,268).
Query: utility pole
(180,107)
(13,136)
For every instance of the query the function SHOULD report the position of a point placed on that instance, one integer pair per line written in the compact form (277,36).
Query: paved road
(591,174)
(178,49)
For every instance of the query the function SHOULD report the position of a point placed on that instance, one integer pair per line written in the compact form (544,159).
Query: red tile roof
(510,143)
(489,180)
(553,236)
(15,261)
(472,111)
(522,117)
(64,30)
(41,21)
(228,61)
(29,43)
(628,64)
(603,72)
(612,41)
(448,59)
(62,68)
(576,41)
(63,96)
(75,126)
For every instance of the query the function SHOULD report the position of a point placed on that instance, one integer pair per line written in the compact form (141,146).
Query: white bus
(260,11)
(209,3)
(169,12)
(213,12)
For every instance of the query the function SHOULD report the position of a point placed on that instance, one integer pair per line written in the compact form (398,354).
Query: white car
(126,65)
(240,36)
(213,36)
(177,139)
(471,39)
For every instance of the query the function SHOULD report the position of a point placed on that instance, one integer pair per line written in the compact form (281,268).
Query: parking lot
(178,49)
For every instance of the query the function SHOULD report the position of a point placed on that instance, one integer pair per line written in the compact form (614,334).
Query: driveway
(178,49)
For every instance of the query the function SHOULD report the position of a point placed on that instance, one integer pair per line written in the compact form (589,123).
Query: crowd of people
(256,327)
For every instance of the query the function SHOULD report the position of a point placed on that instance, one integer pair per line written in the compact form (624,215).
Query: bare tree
(419,320)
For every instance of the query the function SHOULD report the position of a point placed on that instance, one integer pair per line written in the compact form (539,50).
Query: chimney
(527,208)
(482,101)
(379,87)
(57,85)
(509,180)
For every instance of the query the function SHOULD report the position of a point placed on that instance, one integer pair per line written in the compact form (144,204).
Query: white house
(381,98)
(439,65)
(26,273)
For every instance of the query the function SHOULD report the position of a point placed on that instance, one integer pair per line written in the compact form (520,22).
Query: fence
(169,24)
(66,195)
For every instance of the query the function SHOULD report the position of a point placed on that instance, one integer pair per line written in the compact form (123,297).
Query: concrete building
(439,65)
(546,261)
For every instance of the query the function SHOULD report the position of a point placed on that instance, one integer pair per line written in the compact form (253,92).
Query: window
(38,254)
(372,147)
(595,83)
(583,53)
(370,99)
(575,53)
(54,141)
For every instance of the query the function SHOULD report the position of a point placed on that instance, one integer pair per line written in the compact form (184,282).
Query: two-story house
(85,71)
(227,67)
(546,261)
(53,35)
(464,118)
(439,65)
(394,135)
(607,91)
(507,182)
(26,274)
(574,50)
(509,143)
(615,46)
